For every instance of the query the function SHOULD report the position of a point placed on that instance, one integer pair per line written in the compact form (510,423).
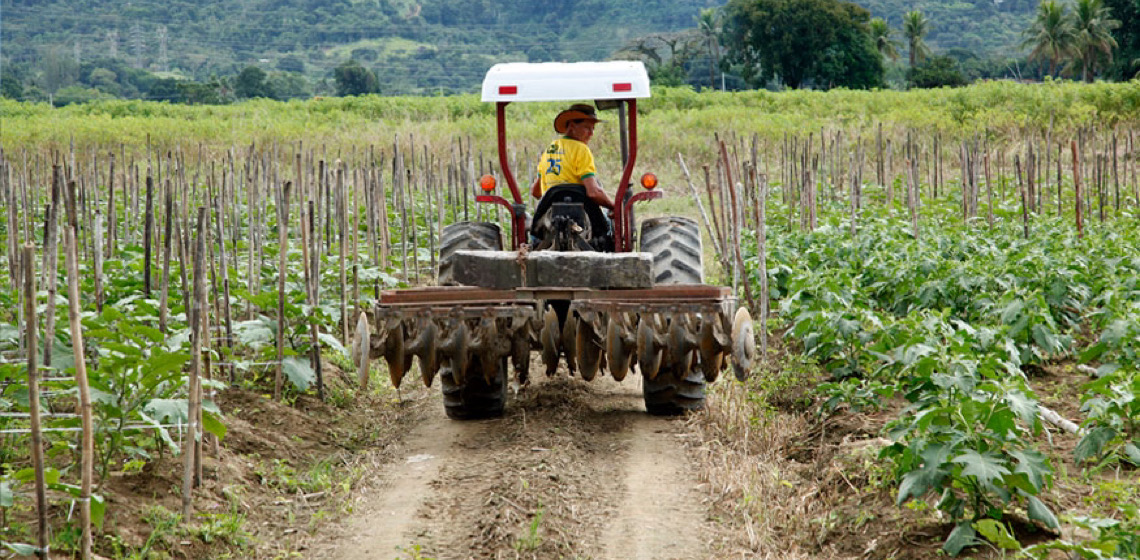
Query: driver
(568,160)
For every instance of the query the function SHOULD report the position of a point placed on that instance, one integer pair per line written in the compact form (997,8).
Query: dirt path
(661,513)
(573,470)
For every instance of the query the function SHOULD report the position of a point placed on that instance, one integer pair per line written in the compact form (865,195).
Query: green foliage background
(413,47)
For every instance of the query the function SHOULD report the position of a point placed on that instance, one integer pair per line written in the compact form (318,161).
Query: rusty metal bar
(464,294)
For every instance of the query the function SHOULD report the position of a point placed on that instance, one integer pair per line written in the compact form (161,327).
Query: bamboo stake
(382,208)
(736,219)
(762,256)
(355,206)
(51,263)
(97,256)
(854,200)
(1060,186)
(700,206)
(1132,158)
(87,454)
(112,226)
(227,313)
(890,178)
(314,298)
(164,287)
(253,201)
(283,251)
(342,251)
(363,343)
(34,398)
(879,170)
(198,310)
(148,236)
(1115,176)
(912,194)
(1024,196)
(989,192)
(13,230)
(719,242)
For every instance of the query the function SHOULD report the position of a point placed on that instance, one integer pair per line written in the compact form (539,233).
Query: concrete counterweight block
(503,270)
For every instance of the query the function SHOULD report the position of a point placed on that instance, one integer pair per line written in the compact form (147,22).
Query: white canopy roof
(565,81)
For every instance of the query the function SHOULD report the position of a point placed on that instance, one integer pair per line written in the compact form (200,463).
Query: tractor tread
(670,395)
(675,244)
(465,236)
(474,398)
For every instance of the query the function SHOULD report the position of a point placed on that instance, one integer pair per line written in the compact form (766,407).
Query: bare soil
(573,470)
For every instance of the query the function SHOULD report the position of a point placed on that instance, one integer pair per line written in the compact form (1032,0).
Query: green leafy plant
(1112,422)
(966,444)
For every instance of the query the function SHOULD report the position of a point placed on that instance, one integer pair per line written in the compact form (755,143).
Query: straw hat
(578,111)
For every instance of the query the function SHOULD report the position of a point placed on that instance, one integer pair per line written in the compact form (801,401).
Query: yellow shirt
(566,161)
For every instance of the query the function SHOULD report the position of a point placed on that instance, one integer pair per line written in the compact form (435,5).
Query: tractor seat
(571,193)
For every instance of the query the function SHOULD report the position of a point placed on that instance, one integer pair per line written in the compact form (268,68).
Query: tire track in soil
(661,515)
(574,470)
(387,511)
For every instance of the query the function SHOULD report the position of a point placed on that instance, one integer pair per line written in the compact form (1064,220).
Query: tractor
(571,286)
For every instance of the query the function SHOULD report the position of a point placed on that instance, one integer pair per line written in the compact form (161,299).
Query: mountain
(410,45)
(120,48)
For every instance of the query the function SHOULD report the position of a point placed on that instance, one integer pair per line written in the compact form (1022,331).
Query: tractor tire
(465,236)
(670,394)
(675,243)
(473,398)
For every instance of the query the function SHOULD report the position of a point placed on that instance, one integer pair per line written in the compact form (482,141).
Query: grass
(532,540)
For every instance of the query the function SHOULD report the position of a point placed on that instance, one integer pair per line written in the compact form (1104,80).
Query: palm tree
(883,37)
(1094,25)
(1052,34)
(915,27)
(709,26)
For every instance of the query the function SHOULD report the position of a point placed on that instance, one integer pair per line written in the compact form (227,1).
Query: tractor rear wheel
(465,236)
(675,244)
(470,396)
(674,391)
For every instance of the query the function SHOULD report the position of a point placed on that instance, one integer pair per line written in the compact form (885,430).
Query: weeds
(531,541)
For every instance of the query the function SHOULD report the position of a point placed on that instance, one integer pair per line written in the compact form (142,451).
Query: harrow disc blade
(361,347)
(520,357)
(743,344)
(648,351)
(617,353)
(425,349)
(712,354)
(549,336)
(682,341)
(589,351)
(570,344)
(394,355)
(455,348)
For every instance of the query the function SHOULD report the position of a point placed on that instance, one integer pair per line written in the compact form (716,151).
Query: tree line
(743,44)
(824,44)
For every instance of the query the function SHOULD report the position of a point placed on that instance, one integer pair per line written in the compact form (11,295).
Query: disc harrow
(679,329)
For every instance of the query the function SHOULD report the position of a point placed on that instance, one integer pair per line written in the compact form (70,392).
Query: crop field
(946,285)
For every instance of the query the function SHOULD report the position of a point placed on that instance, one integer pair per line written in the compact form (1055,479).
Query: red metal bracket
(622,241)
(628,210)
(518,217)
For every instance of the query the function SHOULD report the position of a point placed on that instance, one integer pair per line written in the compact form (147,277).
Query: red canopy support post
(623,240)
(518,209)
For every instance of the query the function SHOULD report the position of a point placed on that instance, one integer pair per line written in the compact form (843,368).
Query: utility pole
(137,44)
(163,61)
(113,43)
(77,53)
